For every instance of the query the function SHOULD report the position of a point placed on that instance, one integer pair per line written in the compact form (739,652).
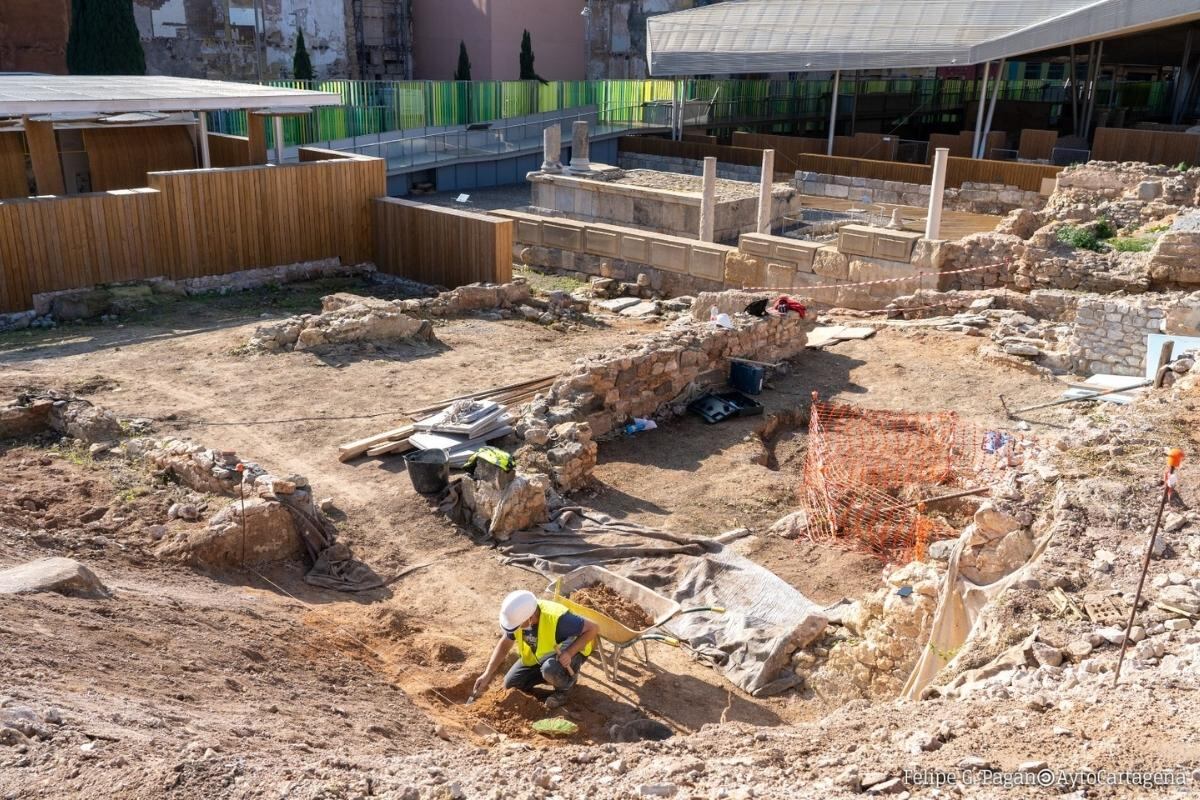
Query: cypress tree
(301,64)
(528,73)
(104,39)
(463,71)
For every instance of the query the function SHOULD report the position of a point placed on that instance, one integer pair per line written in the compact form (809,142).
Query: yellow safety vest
(549,613)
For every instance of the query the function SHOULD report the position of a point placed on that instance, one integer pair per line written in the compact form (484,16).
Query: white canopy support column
(987,126)
(833,105)
(202,135)
(1091,106)
(979,112)
(278,139)
(933,222)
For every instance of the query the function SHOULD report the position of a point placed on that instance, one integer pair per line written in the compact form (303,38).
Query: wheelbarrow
(618,637)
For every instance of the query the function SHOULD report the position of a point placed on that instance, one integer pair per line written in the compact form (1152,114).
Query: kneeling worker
(552,644)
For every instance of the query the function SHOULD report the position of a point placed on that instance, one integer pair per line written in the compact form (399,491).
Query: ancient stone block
(601,242)
(856,240)
(528,232)
(562,234)
(800,254)
(831,263)
(708,262)
(635,248)
(673,257)
(895,245)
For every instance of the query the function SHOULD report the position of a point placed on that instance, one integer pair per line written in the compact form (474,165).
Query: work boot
(556,699)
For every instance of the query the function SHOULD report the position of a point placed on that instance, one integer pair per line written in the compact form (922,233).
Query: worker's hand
(564,659)
(481,685)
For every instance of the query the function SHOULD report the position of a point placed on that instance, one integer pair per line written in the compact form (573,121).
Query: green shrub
(1131,244)
(1104,229)
(1078,237)
(1183,166)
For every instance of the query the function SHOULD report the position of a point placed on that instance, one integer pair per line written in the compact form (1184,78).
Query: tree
(528,73)
(104,39)
(301,63)
(463,71)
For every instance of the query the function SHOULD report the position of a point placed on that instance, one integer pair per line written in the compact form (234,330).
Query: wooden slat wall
(1037,144)
(120,158)
(441,246)
(14,179)
(1153,147)
(234,219)
(960,143)
(1009,173)
(651,146)
(867,168)
(189,224)
(788,149)
(321,154)
(228,151)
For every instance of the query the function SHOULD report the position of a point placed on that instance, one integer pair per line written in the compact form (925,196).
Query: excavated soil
(599,597)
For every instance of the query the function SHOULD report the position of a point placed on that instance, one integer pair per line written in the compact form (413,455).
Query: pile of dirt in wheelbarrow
(599,597)
(508,711)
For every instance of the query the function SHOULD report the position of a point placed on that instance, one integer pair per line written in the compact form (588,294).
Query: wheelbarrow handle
(713,609)
(658,637)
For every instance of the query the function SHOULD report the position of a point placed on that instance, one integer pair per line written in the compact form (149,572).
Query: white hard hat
(724,321)
(517,607)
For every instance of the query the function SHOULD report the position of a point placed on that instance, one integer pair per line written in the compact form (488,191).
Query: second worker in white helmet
(552,644)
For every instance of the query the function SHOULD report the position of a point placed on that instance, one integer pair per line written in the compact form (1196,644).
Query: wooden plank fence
(120,158)
(652,146)
(867,168)
(1153,147)
(441,246)
(1037,144)
(1008,173)
(228,151)
(189,224)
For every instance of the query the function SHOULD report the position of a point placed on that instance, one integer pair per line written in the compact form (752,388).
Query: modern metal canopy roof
(115,94)
(820,35)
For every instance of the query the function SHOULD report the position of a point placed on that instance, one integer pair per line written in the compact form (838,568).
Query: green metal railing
(372,107)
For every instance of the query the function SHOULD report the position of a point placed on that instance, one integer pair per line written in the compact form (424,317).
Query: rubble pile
(344,319)
(1107,227)
(871,653)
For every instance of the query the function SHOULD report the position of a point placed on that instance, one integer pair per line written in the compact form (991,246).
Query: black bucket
(429,470)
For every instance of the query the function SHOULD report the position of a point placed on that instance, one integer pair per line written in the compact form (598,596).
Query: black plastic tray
(718,407)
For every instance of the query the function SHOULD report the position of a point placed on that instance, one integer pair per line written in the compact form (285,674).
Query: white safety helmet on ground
(517,607)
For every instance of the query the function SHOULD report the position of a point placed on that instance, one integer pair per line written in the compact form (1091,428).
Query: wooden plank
(1037,144)
(43,153)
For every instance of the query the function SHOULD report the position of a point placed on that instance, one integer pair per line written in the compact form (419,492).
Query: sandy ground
(260,668)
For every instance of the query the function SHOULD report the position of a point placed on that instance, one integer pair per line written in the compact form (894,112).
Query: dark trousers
(548,671)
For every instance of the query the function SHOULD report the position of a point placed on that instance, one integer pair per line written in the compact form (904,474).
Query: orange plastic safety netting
(867,472)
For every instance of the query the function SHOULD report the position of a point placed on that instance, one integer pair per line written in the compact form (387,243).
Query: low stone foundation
(122,298)
(344,319)
(980,198)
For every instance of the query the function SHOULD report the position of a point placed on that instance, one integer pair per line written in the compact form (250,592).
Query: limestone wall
(1110,334)
(675,265)
(657,374)
(988,198)
(865,269)
(1175,258)
(653,209)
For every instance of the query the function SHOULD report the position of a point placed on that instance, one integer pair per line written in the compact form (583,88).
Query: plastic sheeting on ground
(961,603)
(765,619)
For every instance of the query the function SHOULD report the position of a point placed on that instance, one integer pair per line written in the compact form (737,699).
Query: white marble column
(708,200)
(580,146)
(933,222)
(764,191)
(552,149)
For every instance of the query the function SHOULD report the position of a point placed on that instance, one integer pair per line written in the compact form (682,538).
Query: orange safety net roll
(867,471)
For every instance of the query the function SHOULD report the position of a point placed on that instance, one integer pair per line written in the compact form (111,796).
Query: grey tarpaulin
(765,619)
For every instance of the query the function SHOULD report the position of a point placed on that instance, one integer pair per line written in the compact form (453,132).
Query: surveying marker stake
(241,470)
(1174,460)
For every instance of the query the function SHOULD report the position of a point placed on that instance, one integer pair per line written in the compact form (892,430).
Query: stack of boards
(462,434)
